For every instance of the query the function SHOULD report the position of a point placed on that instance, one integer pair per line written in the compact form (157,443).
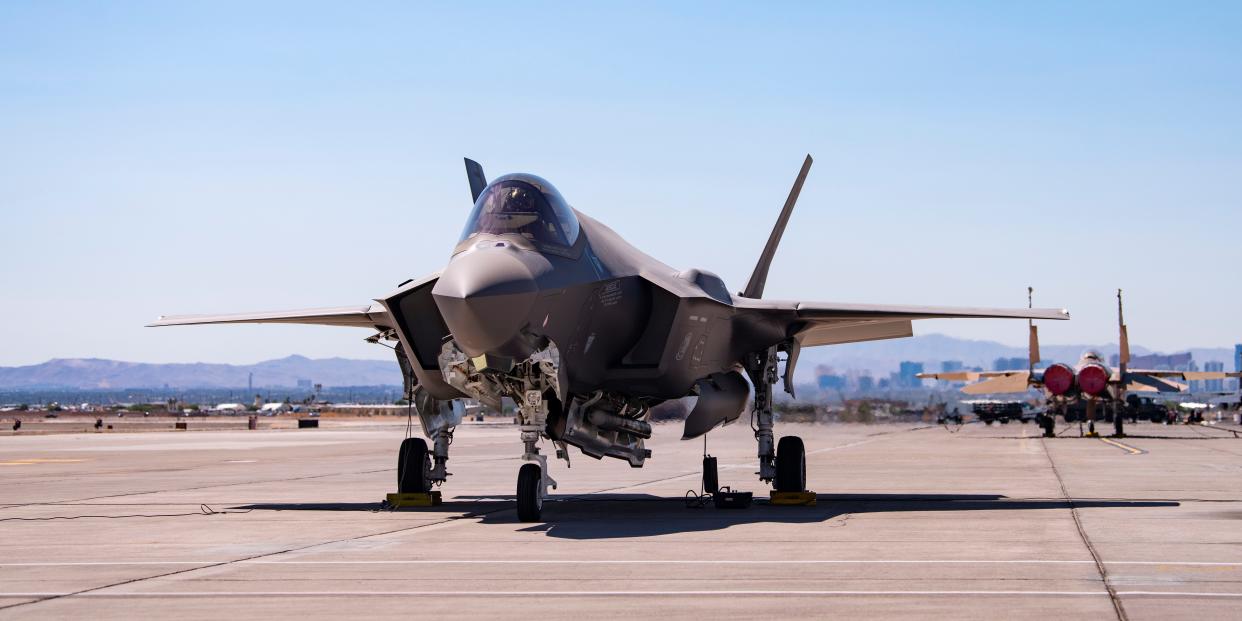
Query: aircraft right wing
(994,382)
(973,376)
(1001,382)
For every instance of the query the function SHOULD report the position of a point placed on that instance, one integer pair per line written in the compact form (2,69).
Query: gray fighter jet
(545,306)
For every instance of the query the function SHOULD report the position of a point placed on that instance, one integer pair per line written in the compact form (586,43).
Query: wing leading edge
(372,316)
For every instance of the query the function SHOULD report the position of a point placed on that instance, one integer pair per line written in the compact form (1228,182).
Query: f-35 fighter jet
(545,306)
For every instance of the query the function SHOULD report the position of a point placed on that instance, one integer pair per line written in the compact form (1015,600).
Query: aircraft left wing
(1150,380)
(372,316)
(830,323)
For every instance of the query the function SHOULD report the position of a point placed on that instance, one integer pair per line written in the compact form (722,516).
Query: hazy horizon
(808,354)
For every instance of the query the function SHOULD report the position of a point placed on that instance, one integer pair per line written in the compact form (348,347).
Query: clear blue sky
(168,157)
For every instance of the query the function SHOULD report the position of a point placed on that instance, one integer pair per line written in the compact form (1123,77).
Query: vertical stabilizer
(1032,347)
(1124,338)
(478,181)
(754,288)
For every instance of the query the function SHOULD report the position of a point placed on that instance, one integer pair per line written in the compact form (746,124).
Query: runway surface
(914,521)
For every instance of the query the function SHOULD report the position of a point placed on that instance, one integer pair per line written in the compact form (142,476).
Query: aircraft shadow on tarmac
(614,516)
(610,516)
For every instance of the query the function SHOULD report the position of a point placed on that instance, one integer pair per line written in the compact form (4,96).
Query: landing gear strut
(785,465)
(761,366)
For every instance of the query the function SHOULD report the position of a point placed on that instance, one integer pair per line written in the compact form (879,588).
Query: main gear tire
(790,465)
(413,467)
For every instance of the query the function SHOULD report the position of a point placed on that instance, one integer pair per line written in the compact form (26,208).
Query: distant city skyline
(172,158)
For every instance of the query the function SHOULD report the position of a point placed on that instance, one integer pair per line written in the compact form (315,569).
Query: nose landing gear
(533,480)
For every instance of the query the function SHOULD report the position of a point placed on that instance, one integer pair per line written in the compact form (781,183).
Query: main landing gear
(1049,424)
(419,467)
(783,464)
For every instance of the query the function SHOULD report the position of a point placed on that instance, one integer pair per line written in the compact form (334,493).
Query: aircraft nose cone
(485,297)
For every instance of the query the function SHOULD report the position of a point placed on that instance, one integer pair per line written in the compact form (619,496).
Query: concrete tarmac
(911,521)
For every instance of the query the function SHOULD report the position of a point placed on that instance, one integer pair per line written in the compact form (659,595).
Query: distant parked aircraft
(1077,392)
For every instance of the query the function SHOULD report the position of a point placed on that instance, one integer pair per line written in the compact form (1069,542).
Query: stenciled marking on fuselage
(610,295)
(685,344)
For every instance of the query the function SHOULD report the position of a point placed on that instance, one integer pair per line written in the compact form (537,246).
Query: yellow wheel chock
(803,499)
(422,499)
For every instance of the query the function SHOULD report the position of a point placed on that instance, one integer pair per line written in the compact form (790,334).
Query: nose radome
(485,297)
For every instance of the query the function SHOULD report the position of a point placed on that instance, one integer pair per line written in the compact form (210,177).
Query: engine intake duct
(614,422)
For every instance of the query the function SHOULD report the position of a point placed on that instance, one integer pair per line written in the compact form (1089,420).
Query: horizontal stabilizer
(355,316)
(1144,382)
(818,334)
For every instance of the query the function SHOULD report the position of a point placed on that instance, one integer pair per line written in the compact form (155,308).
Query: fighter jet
(1077,392)
(547,307)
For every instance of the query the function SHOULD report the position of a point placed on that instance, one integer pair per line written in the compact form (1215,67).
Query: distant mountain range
(95,373)
(878,358)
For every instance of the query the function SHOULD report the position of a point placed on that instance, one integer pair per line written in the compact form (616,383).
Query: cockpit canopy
(1092,356)
(524,205)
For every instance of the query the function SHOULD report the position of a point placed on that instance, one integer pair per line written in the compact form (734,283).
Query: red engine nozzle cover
(1093,379)
(1058,379)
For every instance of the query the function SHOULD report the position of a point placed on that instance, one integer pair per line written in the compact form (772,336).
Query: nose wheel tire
(529,493)
(790,465)
(413,467)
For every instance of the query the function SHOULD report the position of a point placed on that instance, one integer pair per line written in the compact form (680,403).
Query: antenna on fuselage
(478,181)
(754,288)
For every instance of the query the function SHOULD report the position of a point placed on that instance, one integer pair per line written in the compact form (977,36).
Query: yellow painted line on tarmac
(1125,447)
(38,460)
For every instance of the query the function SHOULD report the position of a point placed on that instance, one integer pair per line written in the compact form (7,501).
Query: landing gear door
(722,398)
